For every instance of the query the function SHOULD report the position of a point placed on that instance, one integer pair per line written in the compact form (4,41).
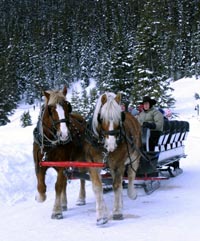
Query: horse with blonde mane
(119,136)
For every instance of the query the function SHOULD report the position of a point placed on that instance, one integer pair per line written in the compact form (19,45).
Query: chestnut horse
(57,137)
(120,134)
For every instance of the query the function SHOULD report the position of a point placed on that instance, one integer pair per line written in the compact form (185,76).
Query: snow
(170,213)
(76,86)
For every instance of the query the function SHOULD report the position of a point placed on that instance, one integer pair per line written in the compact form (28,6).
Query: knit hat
(134,112)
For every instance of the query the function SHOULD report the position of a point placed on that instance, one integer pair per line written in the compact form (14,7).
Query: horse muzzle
(110,143)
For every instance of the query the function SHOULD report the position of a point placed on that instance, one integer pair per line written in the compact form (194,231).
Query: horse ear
(46,94)
(103,99)
(118,98)
(64,90)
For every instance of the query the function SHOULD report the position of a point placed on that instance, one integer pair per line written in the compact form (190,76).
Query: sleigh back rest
(173,135)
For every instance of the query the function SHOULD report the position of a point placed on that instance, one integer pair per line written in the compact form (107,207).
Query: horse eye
(67,106)
(51,109)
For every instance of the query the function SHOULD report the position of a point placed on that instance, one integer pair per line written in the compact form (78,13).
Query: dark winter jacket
(152,116)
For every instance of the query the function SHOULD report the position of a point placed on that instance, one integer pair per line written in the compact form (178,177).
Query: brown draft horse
(57,137)
(120,134)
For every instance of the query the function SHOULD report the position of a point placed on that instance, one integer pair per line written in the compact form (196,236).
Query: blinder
(99,118)
(123,116)
(50,110)
(69,107)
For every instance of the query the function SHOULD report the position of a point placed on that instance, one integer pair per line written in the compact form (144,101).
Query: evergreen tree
(150,72)
(121,68)
(26,119)
(135,47)
(84,103)
(196,96)
(75,101)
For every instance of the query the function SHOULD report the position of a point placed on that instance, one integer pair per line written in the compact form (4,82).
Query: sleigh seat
(163,149)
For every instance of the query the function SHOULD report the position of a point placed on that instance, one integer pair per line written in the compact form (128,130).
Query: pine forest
(136,47)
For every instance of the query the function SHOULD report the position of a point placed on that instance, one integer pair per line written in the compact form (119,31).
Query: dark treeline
(133,46)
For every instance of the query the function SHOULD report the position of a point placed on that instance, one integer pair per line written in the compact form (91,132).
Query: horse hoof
(118,216)
(64,208)
(132,195)
(57,216)
(101,221)
(80,202)
(40,198)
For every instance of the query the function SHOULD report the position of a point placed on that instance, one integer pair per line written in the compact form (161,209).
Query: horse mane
(111,110)
(55,97)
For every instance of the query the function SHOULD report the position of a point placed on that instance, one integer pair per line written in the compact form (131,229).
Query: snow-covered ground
(170,213)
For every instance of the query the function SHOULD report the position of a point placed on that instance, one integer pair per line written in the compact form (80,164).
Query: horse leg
(41,186)
(64,196)
(131,191)
(82,194)
(59,186)
(118,199)
(40,173)
(101,209)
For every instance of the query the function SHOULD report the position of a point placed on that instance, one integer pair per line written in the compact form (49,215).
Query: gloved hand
(149,125)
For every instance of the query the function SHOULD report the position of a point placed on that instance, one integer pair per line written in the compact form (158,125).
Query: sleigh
(160,158)
(162,152)
(111,143)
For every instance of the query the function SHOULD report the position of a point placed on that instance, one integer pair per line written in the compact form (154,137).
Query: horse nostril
(63,134)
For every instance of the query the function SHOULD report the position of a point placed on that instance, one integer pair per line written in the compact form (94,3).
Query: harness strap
(91,138)
(110,133)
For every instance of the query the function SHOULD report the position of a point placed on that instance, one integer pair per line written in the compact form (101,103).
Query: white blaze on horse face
(110,141)
(63,127)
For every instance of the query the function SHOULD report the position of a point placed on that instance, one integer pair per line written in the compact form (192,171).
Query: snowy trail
(167,212)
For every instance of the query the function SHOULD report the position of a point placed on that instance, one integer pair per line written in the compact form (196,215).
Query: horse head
(107,120)
(55,116)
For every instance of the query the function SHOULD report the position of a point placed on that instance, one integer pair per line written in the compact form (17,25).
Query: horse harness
(98,141)
(46,144)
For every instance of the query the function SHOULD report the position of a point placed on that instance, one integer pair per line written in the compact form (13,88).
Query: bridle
(116,132)
(121,136)
(55,122)
(40,135)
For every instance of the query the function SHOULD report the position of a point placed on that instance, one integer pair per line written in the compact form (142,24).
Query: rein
(142,154)
(133,146)
(92,139)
